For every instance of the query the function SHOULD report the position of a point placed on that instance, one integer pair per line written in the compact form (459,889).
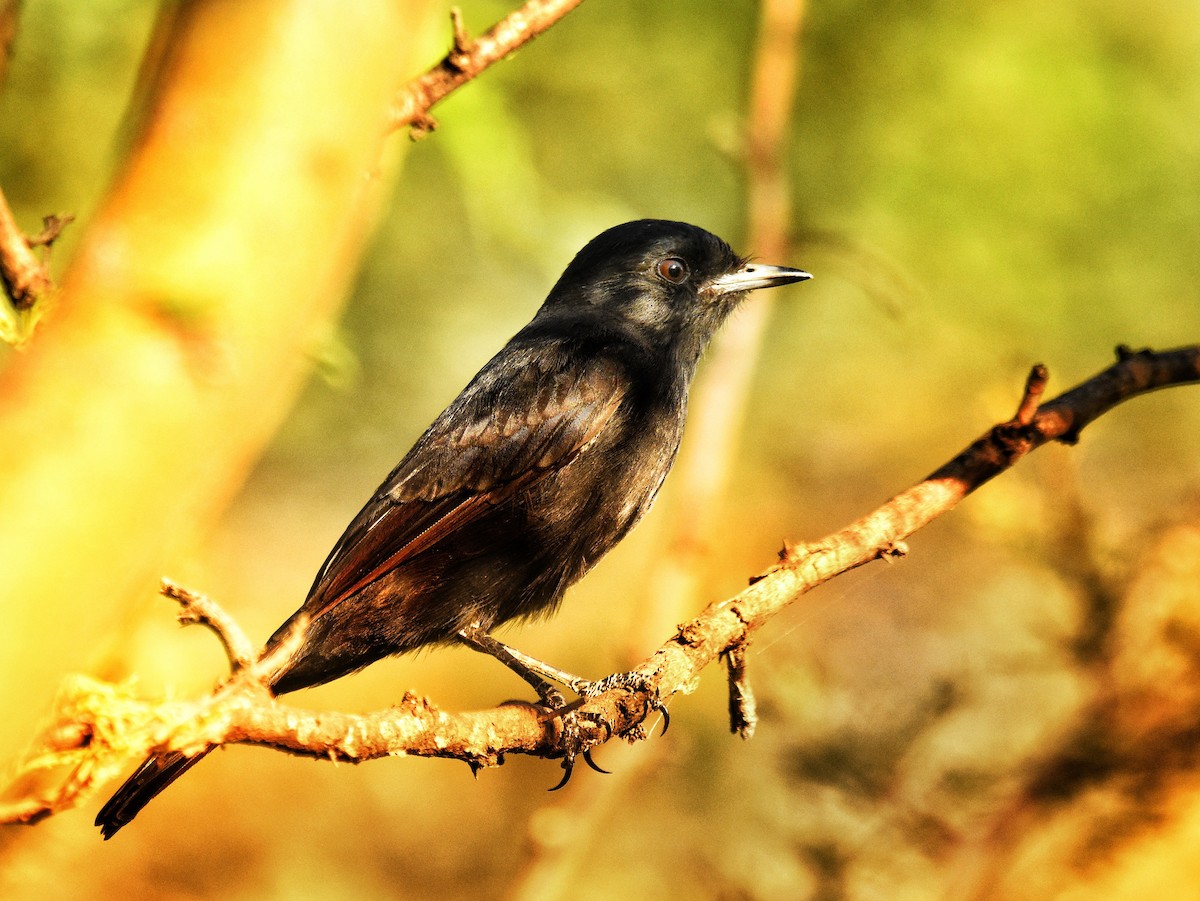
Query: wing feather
(510,427)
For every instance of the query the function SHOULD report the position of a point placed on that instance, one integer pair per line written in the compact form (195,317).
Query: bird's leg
(540,674)
(532,671)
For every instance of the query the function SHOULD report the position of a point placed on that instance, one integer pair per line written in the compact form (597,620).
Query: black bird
(544,462)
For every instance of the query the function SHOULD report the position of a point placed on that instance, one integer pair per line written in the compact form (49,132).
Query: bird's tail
(155,774)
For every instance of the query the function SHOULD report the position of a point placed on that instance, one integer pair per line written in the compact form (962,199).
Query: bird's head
(670,281)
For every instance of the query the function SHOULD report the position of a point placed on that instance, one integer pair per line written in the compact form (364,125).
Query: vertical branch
(772,93)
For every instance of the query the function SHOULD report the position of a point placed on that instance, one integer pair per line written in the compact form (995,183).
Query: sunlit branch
(469,57)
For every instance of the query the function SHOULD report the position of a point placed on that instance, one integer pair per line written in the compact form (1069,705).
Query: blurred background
(1009,712)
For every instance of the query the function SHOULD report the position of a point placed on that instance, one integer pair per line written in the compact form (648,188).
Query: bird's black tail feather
(155,774)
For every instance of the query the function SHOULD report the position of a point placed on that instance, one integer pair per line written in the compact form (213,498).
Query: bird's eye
(673,270)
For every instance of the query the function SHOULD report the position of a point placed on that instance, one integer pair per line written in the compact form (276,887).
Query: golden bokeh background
(266,299)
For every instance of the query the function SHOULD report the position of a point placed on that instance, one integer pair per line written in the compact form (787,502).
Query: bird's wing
(518,420)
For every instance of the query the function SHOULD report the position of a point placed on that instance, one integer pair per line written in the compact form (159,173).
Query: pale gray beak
(755,275)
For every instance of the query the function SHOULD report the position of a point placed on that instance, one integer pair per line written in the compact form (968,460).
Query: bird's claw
(568,766)
(587,758)
(576,744)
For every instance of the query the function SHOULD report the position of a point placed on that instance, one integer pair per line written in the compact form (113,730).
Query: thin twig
(52,227)
(1035,387)
(468,58)
(202,610)
(743,715)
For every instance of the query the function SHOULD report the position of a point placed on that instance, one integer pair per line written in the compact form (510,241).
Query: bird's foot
(579,729)
(577,740)
(634,683)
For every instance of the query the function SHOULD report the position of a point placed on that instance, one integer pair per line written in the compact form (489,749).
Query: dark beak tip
(789,276)
(784,275)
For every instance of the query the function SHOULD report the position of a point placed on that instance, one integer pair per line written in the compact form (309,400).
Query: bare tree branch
(468,58)
(199,609)
(97,725)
